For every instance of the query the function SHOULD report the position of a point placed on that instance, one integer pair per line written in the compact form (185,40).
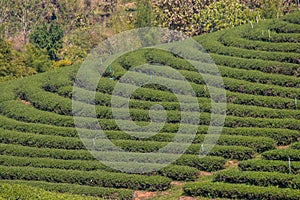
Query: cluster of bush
(175,172)
(282,154)
(208,163)
(243,191)
(27,190)
(270,166)
(259,178)
(91,178)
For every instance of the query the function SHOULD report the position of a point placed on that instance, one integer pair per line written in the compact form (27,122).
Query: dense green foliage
(92,178)
(84,190)
(269,166)
(49,37)
(282,154)
(194,17)
(22,191)
(242,191)
(259,178)
(84,23)
(259,62)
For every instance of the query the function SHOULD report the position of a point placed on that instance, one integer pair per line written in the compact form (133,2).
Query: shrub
(208,163)
(269,166)
(259,178)
(282,154)
(175,172)
(21,190)
(92,178)
(225,190)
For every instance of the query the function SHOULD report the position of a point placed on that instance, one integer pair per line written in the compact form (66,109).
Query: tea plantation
(260,66)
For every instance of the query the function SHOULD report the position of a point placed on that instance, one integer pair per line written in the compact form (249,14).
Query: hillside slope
(40,147)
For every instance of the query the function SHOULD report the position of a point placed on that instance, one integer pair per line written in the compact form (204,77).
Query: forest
(39,35)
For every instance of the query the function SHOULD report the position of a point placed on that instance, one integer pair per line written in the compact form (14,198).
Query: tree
(144,13)
(178,14)
(28,13)
(12,63)
(194,17)
(5,58)
(70,14)
(48,36)
(36,58)
(271,8)
(224,14)
(5,14)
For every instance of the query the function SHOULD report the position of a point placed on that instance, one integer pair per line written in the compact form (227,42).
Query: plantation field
(260,66)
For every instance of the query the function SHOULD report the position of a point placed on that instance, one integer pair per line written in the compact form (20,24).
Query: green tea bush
(257,64)
(256,34)
(225,190)
(175,172)
(232,38)
(103,192)
(269,166)
(25,192)
(259,178)
(208,163)
(211,44)
(282,154)
(92,178)
(292,18)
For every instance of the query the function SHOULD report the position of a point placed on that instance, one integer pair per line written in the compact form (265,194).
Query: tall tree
(29,13)
(5,14)
(144,13)
(48,36)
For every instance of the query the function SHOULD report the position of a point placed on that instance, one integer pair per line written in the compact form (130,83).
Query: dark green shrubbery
(175,172)
(208,163)
(269,166)
(259,178)
(31,190)
(282,154)
(91,178)
(242,191)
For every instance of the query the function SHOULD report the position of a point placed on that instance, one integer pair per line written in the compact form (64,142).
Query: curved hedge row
(231,121)
(256,34)
(232,97)
(284,27)
(197,78)
(257,64)
(260,144)
(281,136)
(282,154)
(107,86)
(259,178)
(262,101)
(92,191)
(242,191)
(29,114)
(43,129)
(208,163)
(296,145)
(211,44)
(22,191)
(232,38)
(269,166)
(13,110)
(260,77)
(232,109)
(91,178)
(175,172)
(292,18)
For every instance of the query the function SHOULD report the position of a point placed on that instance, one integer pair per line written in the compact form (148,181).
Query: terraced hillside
(260,66)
